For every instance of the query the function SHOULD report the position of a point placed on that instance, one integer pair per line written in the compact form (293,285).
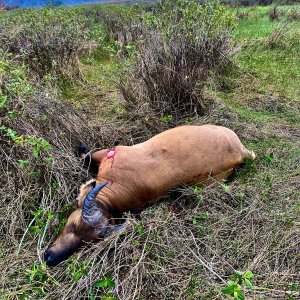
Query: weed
(122,25)
(242,15)
(234,287)
(76,270)
(48,41)
(269,157)
(40,219)
(199,218)
(166,118)
(39,278)
(140,230)
(277,38)
(106,284)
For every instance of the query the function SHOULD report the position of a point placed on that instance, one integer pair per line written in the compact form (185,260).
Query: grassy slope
(251,224)
(265,101)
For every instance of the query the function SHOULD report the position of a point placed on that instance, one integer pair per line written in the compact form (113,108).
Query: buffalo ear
(91,211)
(108,230)
(84,190)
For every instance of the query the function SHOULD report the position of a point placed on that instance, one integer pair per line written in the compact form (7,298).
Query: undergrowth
(183,45)
(49,41)
(231,240)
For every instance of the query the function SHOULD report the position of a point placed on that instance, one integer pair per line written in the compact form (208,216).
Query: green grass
(266,71)
(249,222)
(257,27)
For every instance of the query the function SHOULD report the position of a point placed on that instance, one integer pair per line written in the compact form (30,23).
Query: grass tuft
(183,46)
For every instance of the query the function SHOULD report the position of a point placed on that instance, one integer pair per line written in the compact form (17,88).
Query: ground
(188,245)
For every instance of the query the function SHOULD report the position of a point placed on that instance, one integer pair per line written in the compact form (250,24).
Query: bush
(278,38)
(38,137)
(275,13)
(49,41)
(294,15)
(242,15)
(121,24)
(184,45)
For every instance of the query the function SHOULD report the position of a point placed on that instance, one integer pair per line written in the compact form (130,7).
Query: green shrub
(275,13)
(49,41)
(183,46)
(122,24)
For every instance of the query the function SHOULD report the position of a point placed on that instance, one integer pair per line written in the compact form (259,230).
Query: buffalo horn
(90,209)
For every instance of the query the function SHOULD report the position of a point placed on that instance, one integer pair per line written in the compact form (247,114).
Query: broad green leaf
(91,294)
(109,298)
(248,274)
(22,163)
(106,282)
(228,290)
(76,276)
(248,284)
(240,295)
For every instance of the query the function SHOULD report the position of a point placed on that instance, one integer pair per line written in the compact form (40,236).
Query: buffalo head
(88,223)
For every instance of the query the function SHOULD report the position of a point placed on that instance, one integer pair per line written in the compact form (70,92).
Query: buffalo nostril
(47,256)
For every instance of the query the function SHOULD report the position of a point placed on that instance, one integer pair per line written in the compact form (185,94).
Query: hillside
(80,74)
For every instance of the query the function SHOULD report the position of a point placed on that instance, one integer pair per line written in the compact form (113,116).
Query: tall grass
(189,245)
(183,46)
(48,41)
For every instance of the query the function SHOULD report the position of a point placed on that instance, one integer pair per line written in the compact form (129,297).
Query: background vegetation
(105,75)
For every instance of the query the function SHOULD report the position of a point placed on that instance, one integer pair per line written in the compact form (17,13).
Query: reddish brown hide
(142,173)
(134,176)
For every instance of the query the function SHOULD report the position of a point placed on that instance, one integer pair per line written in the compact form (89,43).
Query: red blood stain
(111,154)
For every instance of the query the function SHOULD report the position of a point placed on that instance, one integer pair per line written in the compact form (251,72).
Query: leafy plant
(62,218)
(76,271)
(107,284)
(166,118)
(39,277)
(268,181)
(225,187)
(235,286)
(199,218)
(39,145)
(39,224)
(269,157)
(197,189)
(41,219)
(140,230)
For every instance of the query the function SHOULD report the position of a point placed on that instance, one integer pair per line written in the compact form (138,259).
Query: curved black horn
(89,208)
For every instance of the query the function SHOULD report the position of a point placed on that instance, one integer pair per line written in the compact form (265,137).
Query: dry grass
(294,15)
(188,46)
(184,247)
(275,13)
(48,43)
(278,38)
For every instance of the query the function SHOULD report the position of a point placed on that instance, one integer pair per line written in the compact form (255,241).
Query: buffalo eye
(70,228)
